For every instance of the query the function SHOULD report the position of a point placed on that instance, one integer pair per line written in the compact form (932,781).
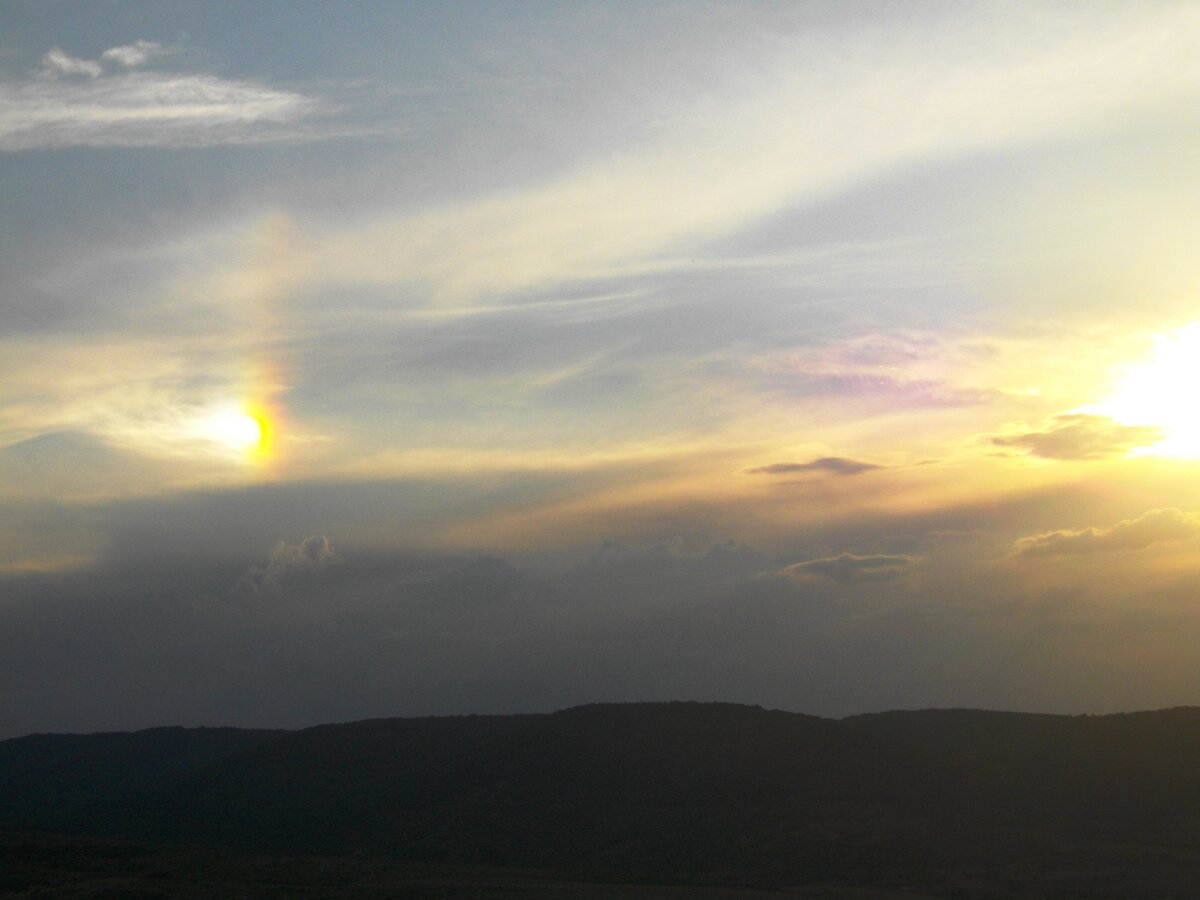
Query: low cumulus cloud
(105,103)
(1158,526)
(285,561)
(826,465)
(848,568)
(1081,436)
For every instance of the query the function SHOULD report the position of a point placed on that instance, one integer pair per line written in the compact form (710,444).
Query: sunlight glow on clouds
(1159,394)
(1154,527)
(767,295)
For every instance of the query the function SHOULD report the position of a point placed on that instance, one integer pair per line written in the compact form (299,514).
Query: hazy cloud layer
(1158,526)
(1081,436)
(395,634)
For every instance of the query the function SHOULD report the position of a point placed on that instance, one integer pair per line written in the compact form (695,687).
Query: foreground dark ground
(637,800)
(75,868)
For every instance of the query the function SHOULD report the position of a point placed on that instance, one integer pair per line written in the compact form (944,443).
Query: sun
(239,431)
(1160,392)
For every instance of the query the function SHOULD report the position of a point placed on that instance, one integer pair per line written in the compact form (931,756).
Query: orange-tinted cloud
(1158,526)
(1081,436)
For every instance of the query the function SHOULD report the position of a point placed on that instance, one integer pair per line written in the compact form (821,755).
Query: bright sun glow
(239,431)
(1161,392)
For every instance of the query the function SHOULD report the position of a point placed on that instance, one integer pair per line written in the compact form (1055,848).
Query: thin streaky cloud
(142,110)
(56,62)
(111,102)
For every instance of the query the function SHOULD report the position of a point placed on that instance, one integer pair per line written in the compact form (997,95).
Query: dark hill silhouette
(1119,776)
(78,782)
(668,793)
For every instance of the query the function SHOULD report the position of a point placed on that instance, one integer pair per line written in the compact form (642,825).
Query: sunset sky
(371,359)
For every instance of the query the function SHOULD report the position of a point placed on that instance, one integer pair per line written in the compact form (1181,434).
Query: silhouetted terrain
(957,803)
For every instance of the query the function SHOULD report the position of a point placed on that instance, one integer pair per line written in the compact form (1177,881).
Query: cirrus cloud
(139,108)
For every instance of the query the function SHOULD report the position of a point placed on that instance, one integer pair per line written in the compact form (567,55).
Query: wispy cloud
(751,149)
(78,102)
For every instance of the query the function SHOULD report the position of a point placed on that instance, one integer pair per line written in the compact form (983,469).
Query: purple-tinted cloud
(830,465)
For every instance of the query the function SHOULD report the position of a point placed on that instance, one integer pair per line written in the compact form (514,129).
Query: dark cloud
(1158,526)
(389,634)
(1081,436)
(848,567)
(832,465)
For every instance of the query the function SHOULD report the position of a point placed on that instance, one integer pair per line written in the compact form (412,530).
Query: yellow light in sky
(1162,392)
(239,430)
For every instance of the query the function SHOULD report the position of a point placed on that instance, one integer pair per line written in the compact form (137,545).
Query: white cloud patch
(136,54)
(140,109)
(55,62)
(1158,526)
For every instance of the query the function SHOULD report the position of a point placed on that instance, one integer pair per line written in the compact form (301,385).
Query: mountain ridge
(674,792)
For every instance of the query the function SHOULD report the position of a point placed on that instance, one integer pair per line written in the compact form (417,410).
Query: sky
(394,359)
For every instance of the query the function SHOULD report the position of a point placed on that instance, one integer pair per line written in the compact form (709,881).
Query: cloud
(136,54)
(309,555)
(1158,526)
(1081,436)
(140,109)
(750,150)
(831,465)
(55,62)
(849,567)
